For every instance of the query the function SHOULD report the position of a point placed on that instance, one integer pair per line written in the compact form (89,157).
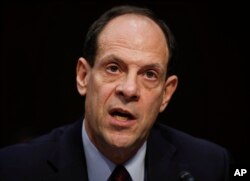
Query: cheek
(99,91)
(152,100)
(150,107)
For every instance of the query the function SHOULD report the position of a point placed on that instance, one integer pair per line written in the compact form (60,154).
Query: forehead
(136,33)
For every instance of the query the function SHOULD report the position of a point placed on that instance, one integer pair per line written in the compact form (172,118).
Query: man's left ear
(170,87)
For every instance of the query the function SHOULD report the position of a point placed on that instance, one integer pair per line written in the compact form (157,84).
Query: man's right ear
(82,75)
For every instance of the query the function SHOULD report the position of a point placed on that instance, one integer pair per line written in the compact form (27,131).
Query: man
(125,74)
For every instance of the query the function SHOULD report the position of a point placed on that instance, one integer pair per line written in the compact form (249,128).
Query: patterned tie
(120,174)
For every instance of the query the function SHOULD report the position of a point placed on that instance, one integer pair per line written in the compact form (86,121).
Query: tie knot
(120,174)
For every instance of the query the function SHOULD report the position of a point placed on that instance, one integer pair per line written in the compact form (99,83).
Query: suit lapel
(160,157)
(68,161)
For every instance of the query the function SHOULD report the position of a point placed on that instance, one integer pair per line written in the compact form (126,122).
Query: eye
(112,68)
(151,75)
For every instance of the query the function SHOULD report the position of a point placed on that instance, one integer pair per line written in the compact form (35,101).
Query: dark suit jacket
(60,156)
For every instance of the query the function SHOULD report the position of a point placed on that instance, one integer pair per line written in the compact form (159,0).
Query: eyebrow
(154,65)
(115,58)
(112,58)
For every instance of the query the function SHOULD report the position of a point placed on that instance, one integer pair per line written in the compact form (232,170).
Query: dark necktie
(120,174)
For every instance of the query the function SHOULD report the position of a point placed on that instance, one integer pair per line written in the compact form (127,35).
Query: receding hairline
(141,17)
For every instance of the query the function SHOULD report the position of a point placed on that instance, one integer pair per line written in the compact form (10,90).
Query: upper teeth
(121,118)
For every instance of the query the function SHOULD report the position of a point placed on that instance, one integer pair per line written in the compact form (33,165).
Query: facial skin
(127,86)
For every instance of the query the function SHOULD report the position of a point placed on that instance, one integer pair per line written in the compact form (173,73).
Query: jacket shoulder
(33,148)
(200,156)
(25,160)
(184,140)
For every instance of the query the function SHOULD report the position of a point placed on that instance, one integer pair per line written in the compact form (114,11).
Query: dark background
(41,42)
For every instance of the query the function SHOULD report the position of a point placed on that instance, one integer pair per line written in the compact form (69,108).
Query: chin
(121,142)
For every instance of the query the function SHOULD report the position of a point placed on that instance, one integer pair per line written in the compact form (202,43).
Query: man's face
(127,88)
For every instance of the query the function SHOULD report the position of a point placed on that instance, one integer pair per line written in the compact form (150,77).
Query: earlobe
(82,75)
(170,87)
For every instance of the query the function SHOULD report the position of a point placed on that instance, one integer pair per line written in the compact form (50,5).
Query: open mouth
(121,115)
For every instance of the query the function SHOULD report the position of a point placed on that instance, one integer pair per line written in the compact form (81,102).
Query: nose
(128,89)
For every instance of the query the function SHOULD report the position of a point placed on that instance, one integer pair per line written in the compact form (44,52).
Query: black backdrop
(41,42)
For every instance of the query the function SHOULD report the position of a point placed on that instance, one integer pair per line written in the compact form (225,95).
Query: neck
(118,155)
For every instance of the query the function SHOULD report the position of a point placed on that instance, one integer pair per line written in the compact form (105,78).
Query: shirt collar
(98,166)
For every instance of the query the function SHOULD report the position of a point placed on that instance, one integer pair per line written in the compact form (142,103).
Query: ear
(82,75)
(169,89)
